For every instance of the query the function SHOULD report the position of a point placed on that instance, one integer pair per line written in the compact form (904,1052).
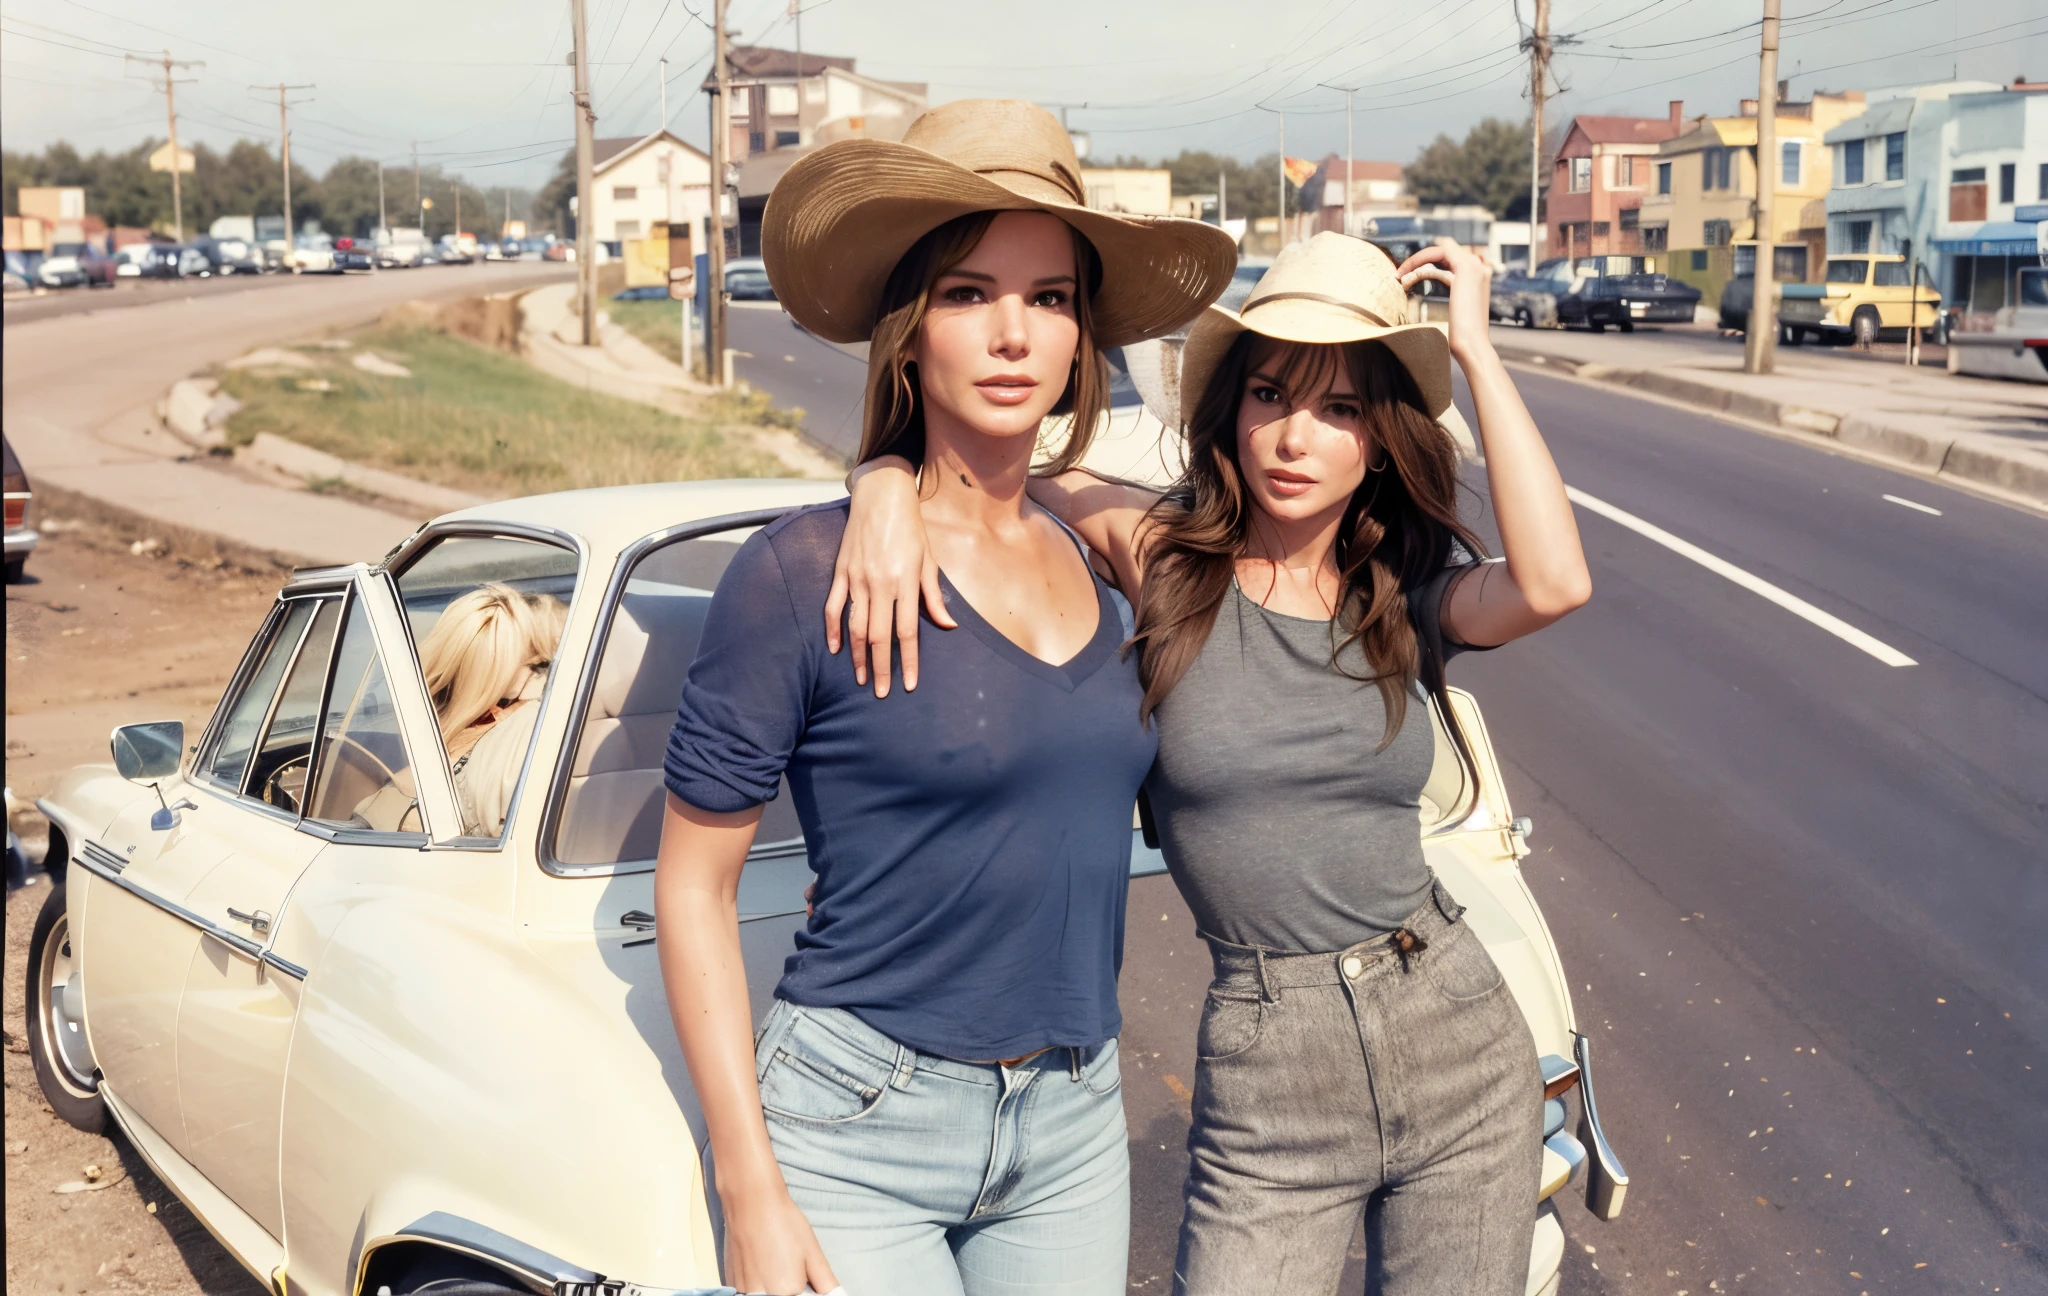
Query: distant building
(1377,189)
(642,182)
(1888,188)
(1139,192)
(783,107)
(1598,181)
(1992,201)
(1701,202)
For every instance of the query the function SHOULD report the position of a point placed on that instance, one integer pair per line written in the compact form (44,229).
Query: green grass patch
(660,325)
(482,420)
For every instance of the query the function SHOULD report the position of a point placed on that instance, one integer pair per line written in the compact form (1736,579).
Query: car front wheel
(1864,327)
(56,1021)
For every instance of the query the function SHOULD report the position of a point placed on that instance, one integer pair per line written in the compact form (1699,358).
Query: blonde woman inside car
(486,662)
(1299,591)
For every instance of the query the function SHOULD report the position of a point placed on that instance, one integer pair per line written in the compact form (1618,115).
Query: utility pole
(284,149)
(1539,84)
(169,87)
(1760,341)
(1280,200)
(458,213)
(715,341)
(586,182)
(664,94)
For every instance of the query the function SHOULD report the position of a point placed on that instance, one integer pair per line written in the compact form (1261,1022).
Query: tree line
(1488,168)
(246,180)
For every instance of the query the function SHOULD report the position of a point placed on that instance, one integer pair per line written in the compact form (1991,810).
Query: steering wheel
(286,786)
(355,768)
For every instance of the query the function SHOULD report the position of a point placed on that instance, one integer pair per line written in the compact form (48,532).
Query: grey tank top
(1284,823)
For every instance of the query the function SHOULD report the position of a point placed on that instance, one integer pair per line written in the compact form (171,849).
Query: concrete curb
(1895,438)
(306,464)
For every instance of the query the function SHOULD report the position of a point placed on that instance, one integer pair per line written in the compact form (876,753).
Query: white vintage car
(375,1050)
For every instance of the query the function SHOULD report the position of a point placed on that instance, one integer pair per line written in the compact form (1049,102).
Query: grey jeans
(1327,1086)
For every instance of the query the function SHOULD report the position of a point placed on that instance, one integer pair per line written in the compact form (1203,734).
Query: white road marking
(1911,505)
(1792,603)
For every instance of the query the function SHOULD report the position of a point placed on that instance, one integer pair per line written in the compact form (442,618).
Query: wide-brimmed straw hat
(1330,289)
(841,218)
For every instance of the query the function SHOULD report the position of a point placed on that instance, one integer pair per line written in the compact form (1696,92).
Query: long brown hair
(893,418)
(1396,534)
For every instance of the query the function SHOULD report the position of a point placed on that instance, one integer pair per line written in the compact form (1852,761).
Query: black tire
(16,569)
(1627,326)
(1863,327)
(1596,326)
(1791,336)
(1523,318)
(56,1036)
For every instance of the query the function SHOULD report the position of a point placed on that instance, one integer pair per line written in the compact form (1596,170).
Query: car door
(235,1015)
(332,762)
(137,936)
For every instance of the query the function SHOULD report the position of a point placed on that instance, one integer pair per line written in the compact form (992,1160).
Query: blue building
(1888,174)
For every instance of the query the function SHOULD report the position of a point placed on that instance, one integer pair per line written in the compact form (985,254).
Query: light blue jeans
(924,1176)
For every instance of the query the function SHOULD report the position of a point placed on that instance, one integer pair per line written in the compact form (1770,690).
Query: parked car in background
(354,255)
(55,271)
(1871,296)
(21,537)
(536,247)
(230,255)
(176,261)
(746,279)
(129,260)
(402,248)
(558,251)
(2016,345)
(287,961)
(314,254)
(18,270)
(1596,294)
(78,263)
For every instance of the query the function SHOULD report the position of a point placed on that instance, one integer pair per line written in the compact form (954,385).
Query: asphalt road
(1800,892)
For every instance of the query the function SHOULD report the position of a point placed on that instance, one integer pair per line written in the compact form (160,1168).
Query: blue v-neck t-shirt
(971,839)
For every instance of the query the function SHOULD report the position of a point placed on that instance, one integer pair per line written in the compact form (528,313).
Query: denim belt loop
(1266,991)
(906,1067)
(1073,1064)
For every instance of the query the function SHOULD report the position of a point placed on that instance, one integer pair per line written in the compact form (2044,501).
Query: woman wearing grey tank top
(1299,591)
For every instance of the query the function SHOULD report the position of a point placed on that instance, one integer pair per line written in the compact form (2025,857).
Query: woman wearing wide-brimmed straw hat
(1299,592)
(932,1103)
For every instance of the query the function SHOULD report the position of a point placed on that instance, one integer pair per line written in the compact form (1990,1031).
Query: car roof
(608,518)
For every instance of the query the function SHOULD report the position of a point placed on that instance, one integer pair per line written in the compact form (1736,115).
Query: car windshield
(1848,271)
(68,250)
(2034,287)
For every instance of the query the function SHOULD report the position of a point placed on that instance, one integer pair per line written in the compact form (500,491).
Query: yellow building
(1702,198)
(1140,192)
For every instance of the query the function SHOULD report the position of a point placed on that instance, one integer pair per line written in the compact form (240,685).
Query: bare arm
(769,1245)
(1546,576)
(885,563)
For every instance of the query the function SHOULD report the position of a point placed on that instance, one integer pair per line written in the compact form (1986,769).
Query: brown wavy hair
(1397,532)
(893,417)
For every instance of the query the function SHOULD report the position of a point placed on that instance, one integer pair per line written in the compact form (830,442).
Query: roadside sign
(161,159)
(682,273)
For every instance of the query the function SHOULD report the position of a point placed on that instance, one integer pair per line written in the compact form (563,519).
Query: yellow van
(1869,294)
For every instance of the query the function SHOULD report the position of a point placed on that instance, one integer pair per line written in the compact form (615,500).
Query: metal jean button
(1352,966)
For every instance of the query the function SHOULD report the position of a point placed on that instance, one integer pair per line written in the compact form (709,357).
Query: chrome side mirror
(146,752)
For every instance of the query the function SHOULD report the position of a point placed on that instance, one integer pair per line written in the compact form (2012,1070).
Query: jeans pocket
(1230,1026)
(1104,1073)
(817,1077)
(1459,966)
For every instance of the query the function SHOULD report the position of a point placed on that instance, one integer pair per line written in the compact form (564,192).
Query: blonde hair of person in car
(485,663)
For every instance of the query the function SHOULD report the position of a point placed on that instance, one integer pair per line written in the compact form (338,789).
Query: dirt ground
(99,635)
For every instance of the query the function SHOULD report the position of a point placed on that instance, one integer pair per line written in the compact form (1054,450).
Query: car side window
(363,777)
(486,614)
(277,773)
(611,802)
(235,740)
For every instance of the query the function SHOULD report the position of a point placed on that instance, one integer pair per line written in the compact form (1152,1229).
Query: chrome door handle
(258,921)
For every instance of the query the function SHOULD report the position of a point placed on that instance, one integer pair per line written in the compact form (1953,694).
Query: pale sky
(484,89)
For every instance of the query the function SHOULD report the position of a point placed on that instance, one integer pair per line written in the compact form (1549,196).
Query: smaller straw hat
(1330,289)
(841,218)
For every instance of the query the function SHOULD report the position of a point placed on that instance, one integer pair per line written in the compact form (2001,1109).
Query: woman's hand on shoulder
(1471,283)
(885,566)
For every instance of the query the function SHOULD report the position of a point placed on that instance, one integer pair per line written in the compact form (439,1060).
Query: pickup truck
(1862,298)
(1558,295)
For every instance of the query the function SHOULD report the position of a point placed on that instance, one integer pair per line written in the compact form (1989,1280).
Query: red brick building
(1602,171)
